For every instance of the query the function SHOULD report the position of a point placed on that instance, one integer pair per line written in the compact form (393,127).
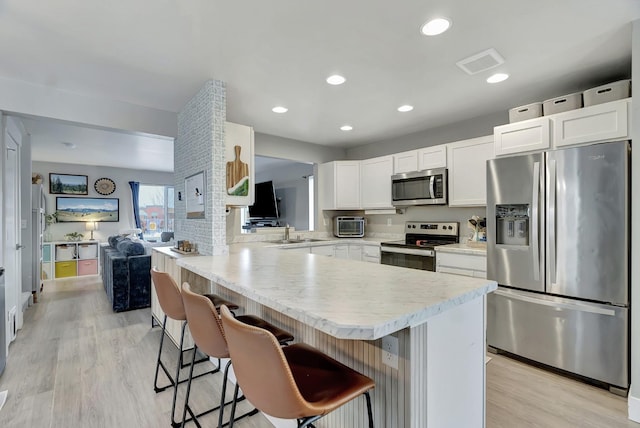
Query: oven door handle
(410,251)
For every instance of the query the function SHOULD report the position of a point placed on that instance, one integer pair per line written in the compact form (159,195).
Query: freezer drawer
(583,338)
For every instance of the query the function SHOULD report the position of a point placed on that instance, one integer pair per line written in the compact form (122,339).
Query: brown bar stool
(171,303)
(295,382)
(208,335)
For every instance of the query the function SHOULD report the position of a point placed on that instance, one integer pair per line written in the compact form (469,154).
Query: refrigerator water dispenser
(512,224)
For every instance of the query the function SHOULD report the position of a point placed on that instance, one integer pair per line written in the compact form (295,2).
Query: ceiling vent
(482,61)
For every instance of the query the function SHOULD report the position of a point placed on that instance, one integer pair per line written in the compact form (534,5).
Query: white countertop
(463,248)
(343,298)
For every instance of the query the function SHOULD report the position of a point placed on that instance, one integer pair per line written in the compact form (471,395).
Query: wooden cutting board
(236,169)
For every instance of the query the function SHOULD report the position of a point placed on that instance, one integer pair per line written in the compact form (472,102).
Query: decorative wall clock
(104,186)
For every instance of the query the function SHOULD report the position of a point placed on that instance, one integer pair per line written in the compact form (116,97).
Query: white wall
(634,395)
(34,100)
(120,176)
(299,151)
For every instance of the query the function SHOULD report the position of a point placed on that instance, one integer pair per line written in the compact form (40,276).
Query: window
(156,211)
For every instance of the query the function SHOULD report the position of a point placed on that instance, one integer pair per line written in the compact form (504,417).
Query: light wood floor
(75,363)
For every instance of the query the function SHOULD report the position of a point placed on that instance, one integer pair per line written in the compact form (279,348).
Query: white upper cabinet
(601,122)
(239,146)
(375,182)
(339,185)
(432,157)
(405,162)
(526,136)
(593,124)
(467,166)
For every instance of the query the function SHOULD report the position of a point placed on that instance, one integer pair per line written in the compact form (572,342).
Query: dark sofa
(125,267)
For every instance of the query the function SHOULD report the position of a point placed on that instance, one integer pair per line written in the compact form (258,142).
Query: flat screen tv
(265,205)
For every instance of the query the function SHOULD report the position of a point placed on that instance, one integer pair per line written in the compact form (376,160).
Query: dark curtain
(135,197)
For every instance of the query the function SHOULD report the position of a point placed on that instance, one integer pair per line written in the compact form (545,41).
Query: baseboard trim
(634,408)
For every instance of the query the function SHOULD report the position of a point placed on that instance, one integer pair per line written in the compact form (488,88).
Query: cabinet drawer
(88,267)
(65,269)
(462,261)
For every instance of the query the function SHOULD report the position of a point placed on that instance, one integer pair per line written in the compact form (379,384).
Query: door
(589,339)
(587,225)
(515,254)
(11,208)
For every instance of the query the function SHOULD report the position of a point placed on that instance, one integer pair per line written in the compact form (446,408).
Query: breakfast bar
(419,335)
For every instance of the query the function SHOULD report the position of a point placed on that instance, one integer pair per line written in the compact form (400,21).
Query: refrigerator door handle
(432,183)
(535,209)
(552,221)
(581,307)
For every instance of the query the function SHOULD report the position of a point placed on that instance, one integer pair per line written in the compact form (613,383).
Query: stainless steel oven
(416,251)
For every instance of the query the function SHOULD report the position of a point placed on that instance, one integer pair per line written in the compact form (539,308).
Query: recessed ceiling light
(435,27)
(279,109)
(346,128)
(498,77)
(336,79)
(405,108)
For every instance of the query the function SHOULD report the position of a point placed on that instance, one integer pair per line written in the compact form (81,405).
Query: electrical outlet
(390,351)
(389,222)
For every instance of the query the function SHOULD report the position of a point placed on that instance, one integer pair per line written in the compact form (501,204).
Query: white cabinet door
(339,185)
(432,157)
(371,253)
(467,166)
(239,142)
(341,251)
(528,135)
(405,162)
(375,182)
(602,122)
(298,250)
(324,250)
(355,252)
(474,265)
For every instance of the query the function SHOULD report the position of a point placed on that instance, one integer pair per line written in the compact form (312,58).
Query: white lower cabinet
(368,252)
(324,250)
(474,265)
(371,253)
(341,251)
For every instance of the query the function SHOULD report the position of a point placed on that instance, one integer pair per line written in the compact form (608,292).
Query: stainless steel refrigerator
(558,246)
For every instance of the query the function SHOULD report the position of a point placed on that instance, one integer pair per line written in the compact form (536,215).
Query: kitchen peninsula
(348,309)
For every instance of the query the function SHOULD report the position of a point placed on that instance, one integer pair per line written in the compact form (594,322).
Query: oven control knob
(450,227)
(444,227)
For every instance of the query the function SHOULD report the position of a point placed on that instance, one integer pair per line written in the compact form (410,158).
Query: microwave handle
(432,182)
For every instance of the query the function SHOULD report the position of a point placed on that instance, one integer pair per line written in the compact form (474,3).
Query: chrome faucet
(286,232)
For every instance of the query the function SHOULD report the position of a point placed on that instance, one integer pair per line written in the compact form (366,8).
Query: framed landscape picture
(68,184)
(87,209)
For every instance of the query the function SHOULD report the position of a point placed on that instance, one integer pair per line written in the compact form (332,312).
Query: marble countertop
(463,248)
(343,298)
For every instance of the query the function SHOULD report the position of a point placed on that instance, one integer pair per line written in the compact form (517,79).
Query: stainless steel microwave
(428,187)
(348,227)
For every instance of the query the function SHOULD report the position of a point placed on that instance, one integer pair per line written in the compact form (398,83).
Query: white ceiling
(159,53)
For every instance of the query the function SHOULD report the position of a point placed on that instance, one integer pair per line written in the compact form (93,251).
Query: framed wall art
(68,184)
(195,191)
(87,209)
